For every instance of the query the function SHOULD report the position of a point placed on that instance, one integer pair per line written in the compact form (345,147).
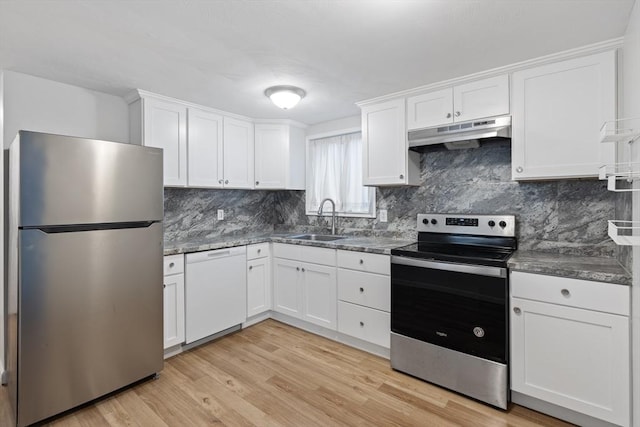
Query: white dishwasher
(216,291)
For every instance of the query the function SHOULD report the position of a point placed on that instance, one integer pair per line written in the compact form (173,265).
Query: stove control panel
(483,225)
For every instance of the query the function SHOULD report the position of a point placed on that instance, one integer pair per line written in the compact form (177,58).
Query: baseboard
(558,411)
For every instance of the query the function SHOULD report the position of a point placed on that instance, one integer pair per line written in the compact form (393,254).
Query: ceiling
(224,53)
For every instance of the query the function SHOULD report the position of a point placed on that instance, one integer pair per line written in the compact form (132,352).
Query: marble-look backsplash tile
(193,212)
(567,216)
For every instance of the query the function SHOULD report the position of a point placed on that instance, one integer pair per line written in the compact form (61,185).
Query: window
(334,170)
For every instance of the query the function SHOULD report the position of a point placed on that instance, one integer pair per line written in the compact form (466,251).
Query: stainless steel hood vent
(454,136)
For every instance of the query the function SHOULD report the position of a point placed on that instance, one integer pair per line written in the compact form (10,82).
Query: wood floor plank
(272,374)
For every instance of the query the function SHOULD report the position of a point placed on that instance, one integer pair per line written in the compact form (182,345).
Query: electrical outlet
(220,214)
(383,215)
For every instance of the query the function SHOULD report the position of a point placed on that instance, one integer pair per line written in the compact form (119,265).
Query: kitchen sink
(317,237)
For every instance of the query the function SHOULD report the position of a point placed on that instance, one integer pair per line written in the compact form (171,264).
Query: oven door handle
(481,270)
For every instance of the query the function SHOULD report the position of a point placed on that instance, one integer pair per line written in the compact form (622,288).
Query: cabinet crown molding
(612,44)
(137,94)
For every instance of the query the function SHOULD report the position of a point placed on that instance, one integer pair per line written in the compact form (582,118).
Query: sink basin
(317,237)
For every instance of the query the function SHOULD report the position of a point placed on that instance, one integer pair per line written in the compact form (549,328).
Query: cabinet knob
(251,267)
(259,250)
(219,181)
(361,261)
(226,181)
(257,182)
(519,169)
(361,323)
(448,115)
(164,286)
(172,264)
(401,176)
(303,269)
(297,268)
(361,290)
(565,293)
(457,113)
(517,310)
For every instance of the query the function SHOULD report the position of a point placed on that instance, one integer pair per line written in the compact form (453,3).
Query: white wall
(631,108)
(36,104)
(334,125)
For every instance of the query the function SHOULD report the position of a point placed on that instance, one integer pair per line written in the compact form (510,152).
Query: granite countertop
(379,245)
(598,269)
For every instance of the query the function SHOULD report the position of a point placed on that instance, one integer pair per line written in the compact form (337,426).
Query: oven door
(457,306)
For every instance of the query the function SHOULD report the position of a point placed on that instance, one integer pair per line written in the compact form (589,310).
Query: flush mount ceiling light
(285,97)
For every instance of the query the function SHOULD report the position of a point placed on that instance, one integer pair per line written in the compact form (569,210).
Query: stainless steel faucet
(333,213)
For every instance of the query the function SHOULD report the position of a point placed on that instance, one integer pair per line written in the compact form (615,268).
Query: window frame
(371,214)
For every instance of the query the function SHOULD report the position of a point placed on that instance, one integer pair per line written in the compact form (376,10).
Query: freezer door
(89,313)
(65,180)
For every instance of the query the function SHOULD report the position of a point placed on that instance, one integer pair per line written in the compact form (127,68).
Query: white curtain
(336,171)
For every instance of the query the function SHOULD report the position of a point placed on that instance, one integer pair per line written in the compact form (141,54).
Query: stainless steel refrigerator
(84,303)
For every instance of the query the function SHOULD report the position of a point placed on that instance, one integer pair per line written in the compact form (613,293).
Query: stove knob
(425,221)
(502,224)
(492,223)
(434,221)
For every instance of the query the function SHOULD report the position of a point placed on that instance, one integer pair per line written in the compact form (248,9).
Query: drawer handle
(217,254)
(565,293)
(361,323)
(517,310)
(250,267)
(172,264)
(361,261)
(361,290)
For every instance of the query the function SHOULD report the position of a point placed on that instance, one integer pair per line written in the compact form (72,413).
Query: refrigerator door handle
(90,227)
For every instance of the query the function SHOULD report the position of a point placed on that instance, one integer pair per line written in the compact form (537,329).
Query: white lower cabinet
(567,355)
(173,306)
(364,296)
(303,289)
(258,279)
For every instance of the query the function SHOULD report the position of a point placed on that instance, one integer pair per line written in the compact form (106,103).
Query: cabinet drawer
(259,250)
(173,264)
(586,294)
(324,256)
(361,261)
(364,323)
(367,289)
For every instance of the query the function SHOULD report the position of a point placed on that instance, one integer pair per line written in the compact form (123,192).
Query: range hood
(462,135)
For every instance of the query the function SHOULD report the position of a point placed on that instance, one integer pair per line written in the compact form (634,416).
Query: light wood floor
(272,374)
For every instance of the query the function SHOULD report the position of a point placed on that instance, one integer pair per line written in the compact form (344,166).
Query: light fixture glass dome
(285,97)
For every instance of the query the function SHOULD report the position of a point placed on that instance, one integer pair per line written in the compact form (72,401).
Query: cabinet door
(481,99)
(238,153)
(173,310)
(165,126)
(205,149)
(430,109)
(574,358)
(320,297)
(287,287)
(558,110)
(384,138)
(271,156)
(258,286)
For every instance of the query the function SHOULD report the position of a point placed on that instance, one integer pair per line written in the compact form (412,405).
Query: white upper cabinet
(205,166)
(470,101)
(558,110)
(238,153)
(386,158)
(165,126)
(280,157)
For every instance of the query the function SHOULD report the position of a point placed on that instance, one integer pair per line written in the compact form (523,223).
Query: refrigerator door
(90,315)
(65,180)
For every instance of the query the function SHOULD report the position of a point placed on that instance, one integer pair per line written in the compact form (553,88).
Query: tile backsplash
(568,216)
